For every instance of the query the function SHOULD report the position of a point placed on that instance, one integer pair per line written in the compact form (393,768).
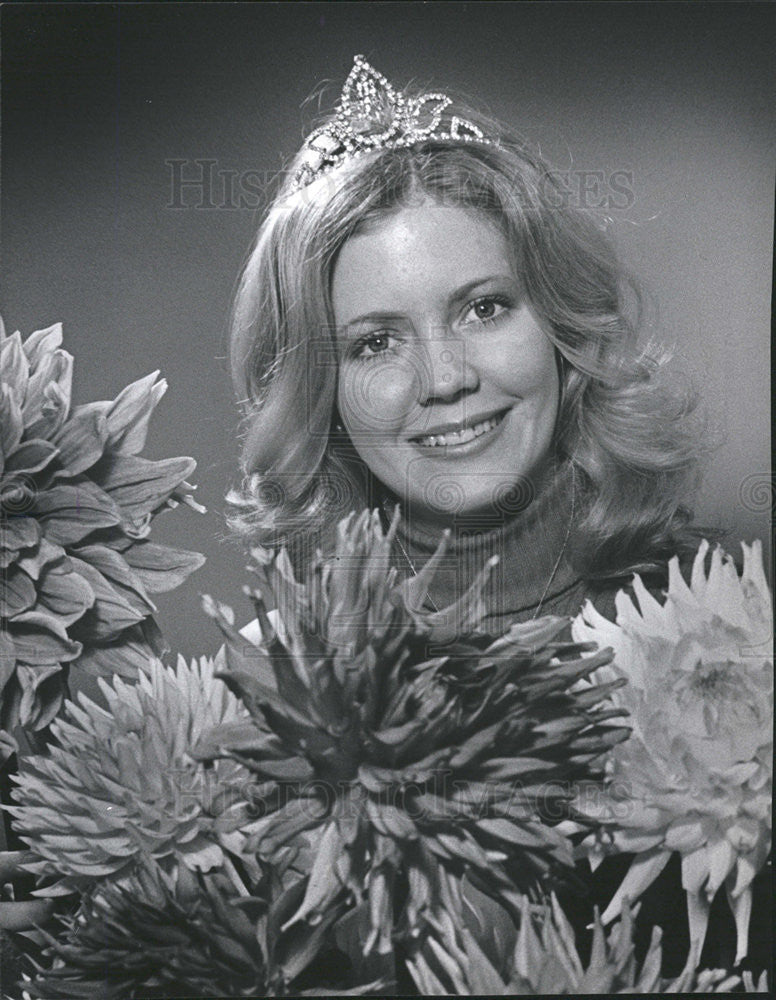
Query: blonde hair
(622,421)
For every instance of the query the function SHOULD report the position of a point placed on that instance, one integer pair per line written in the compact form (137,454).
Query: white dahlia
(695,774)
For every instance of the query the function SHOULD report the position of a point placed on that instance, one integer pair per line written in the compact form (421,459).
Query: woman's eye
(373,344)
(487,308)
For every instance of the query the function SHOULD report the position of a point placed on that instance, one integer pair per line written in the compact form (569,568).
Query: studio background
(666,111)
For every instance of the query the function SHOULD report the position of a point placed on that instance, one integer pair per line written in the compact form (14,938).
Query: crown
(370,115)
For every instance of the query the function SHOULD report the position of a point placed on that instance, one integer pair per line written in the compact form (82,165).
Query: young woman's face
(448,387)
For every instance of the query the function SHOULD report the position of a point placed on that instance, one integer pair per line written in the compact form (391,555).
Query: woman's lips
(462,441)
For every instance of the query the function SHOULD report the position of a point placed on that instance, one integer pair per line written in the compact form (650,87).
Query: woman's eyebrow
(378,316)
(465,290)
(386,316)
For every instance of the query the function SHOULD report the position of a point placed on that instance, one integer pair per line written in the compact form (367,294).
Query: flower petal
(17,592)
(722,859)
(130,412)
(741,905)
(20,532)
(14,367)
(322,883)
(695,869)
(81,442)
(45,554)
(685,834)
(111,612)
(56,368)
(41,639)
(64,593)
(114,567)
(139,486)
(42,694)
(42,342)
(126,657)
(11,424)
(642,873)
(161,567)
(69,513)
(30,457)
(698,909)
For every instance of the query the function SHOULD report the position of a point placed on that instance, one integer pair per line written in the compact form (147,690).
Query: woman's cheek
(522,363)
(379,396)
(540,394)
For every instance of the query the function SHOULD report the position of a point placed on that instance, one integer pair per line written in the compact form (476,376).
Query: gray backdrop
(662,115)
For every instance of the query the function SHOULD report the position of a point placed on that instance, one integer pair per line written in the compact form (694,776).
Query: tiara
(371,115)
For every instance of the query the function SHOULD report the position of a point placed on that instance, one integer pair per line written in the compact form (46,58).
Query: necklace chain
(546,590)
(414,571)
(563,547)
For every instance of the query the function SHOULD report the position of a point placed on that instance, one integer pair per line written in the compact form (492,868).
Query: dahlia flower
(385,758)
(119,784)
(193,936)
(695,775)
(154,937)
(540,957)
(76,503)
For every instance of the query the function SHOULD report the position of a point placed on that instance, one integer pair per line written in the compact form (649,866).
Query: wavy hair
(623,421)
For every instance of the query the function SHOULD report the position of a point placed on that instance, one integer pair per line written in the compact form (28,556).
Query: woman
(425,321)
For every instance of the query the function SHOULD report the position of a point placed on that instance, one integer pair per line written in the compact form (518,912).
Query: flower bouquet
(368,759)
(364,801)
(76,505)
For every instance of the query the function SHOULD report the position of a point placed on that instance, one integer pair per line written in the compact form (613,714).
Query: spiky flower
(119,783)
(540,957)
(196,936)
(154,936)
(396,749)
(695,775)
(76,503)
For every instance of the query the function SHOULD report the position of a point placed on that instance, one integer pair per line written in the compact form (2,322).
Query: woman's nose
(446,369)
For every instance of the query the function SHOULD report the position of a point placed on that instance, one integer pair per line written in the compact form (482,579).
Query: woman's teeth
(462,436)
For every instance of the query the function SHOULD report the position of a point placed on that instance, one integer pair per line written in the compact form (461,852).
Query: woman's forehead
(431,244)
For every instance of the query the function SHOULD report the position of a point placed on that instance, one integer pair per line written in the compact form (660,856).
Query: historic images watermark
(202,184)
(589,189)
(546,801)
(206,184)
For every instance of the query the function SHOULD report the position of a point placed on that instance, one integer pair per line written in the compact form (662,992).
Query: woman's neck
(532,540)
(520,502)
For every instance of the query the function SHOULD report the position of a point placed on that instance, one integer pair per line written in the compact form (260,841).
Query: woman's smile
(463,438)
(446,379)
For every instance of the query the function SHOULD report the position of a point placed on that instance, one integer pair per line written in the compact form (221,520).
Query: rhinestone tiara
(370,115)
